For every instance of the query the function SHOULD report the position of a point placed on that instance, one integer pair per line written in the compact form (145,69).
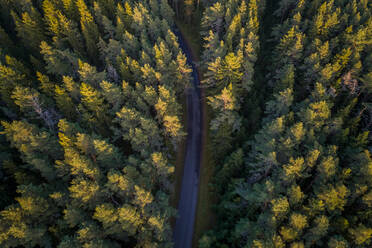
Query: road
(184,228)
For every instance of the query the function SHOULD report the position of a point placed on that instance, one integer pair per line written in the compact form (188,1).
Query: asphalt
(184,229)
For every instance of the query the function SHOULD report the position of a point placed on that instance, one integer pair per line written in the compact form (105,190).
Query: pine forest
(186,123)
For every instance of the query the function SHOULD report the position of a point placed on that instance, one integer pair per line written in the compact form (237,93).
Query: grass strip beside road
(179,163)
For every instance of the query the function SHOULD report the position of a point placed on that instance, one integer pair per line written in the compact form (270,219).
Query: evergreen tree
(29,28)
(89,29)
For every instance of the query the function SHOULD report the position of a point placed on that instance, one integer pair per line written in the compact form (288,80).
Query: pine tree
(36,146)
(89,29)
(96,108)
(25,222)
(30,29)
(62,63)
(46,86)
(9,79)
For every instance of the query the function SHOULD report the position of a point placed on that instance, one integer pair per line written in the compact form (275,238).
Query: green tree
(30,29)
(89,29)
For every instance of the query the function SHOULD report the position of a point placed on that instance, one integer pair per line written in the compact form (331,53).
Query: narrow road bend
(184,229)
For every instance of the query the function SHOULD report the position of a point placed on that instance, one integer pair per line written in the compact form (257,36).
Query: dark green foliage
(302,181)
(230,31)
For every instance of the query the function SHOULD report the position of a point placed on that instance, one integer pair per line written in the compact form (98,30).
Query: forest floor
(205,216)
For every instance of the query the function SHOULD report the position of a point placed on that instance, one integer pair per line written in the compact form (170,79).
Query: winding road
(184,229)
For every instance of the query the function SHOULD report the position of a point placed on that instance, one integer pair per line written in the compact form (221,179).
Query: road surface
(184,228)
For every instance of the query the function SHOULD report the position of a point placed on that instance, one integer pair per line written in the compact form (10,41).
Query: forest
(95,123)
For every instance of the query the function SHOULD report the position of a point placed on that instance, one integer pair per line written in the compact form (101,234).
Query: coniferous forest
(95,117)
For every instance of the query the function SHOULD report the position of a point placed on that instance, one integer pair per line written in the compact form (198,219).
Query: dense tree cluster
(230,31)
(90,120)
(90,117)
(305,179)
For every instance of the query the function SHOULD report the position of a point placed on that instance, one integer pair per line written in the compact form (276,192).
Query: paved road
(184,228)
